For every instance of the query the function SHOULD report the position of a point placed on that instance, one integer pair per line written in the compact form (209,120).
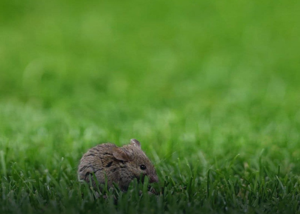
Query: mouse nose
(153,179)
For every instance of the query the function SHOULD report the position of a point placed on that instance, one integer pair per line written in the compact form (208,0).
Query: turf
(210,88)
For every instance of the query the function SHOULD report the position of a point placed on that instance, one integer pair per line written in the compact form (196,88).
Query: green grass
(210,88)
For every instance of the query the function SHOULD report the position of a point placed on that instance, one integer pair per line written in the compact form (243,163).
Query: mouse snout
(153,179)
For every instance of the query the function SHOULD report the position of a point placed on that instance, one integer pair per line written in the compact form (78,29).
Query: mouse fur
(119,165)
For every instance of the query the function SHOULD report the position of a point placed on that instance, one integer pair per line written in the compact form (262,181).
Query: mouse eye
(143,167)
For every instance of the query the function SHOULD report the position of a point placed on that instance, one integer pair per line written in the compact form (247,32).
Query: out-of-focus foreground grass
(210,88)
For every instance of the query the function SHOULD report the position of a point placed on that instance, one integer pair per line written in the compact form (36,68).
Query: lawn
(210,89)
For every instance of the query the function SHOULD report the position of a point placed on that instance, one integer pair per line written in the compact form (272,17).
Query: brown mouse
(118,165)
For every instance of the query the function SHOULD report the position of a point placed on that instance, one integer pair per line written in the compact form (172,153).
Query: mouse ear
(135,143)
(120,155)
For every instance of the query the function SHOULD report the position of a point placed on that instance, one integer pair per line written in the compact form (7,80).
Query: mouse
(116,165)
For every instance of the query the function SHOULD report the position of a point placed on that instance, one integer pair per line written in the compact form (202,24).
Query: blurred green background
(201,81)
(175,54)
(189,73)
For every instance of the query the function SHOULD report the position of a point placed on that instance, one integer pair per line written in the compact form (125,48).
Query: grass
(211,89)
